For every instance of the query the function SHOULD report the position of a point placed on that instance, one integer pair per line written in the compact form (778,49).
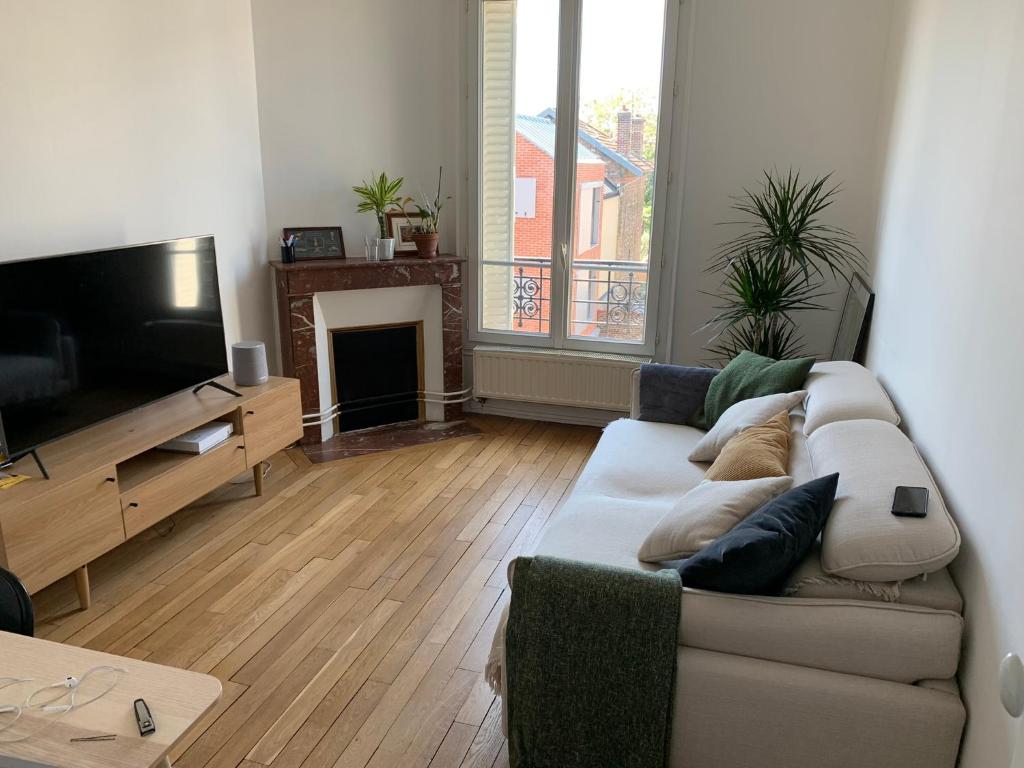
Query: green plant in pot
(378,196)
(777,266)
(425,234)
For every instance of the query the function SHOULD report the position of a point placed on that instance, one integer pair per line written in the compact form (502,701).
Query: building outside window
(555,265)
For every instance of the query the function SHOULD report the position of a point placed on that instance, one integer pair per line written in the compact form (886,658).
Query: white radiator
(559,377)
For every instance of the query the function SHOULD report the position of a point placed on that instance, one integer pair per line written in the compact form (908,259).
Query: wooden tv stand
(108,482)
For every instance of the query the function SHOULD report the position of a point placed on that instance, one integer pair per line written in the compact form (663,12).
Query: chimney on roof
(624,130)
(636,145)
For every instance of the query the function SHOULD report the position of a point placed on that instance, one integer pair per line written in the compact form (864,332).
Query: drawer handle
(110,480)
(239,447)
(133,505)
(250,413)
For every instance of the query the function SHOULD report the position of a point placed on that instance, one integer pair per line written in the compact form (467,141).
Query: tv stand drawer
(62,529)
(194,476)
(271,422)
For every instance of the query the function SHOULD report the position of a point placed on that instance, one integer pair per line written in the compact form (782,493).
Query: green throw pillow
(750,375)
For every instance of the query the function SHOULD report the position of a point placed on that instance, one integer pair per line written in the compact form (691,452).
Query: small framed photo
(317,242)
(401,227)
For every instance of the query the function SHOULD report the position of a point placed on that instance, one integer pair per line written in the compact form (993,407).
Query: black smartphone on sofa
(910,501)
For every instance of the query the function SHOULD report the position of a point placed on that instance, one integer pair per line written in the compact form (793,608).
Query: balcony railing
(608,298)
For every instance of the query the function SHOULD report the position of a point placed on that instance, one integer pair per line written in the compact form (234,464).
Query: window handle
(565,255)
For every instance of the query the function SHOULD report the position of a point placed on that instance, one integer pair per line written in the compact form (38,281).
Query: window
(567,209)
(526,198)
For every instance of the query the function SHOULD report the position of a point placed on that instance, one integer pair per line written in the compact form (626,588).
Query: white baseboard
(560,414)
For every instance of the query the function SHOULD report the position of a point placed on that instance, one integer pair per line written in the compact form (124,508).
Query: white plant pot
(385,249)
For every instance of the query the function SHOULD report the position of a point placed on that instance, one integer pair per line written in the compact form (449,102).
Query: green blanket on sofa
(590,665)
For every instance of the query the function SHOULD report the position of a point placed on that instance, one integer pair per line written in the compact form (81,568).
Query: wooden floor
(349,611)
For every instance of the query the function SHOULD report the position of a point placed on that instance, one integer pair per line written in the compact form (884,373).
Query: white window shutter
(497,160)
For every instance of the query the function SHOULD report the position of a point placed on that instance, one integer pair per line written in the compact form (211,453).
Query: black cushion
(673,394)
(16,613)
(757,556)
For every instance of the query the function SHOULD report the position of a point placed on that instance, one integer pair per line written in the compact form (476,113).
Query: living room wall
(134,122)
(946,335)
(349,88)
(786,83)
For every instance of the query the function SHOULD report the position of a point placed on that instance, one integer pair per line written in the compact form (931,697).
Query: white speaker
(249,363)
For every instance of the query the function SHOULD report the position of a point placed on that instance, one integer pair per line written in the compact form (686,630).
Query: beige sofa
(839,674)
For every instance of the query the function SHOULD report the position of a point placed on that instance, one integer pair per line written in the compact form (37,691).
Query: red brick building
(535,177)
(611,181)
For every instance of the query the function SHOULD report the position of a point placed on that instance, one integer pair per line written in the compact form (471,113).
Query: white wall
(128,122)
(346,88)
(786,83)
(947,333)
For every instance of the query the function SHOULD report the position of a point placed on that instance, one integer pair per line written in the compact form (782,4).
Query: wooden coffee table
(177,699)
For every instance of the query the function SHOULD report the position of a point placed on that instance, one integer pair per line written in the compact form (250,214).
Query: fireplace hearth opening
(377,374)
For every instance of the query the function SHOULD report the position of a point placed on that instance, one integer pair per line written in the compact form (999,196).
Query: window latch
(565,256)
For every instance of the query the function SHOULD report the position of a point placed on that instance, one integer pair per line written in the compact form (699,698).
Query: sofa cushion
(761,451)
(705,513)
(844,391)
(672,394)
(741,416)
(757,556)
(888,641)
(933,590)
(642,460)
(607,530)
(863,540)
(750,375)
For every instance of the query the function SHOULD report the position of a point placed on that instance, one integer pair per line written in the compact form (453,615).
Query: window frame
(563,236)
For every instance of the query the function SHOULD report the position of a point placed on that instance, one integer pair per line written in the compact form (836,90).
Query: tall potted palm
(378,196)
(777,266)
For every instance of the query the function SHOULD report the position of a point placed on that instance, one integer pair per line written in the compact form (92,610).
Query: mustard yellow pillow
(761,451)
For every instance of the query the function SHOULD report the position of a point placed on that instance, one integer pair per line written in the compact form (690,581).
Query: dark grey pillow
(673,394)
(757,556)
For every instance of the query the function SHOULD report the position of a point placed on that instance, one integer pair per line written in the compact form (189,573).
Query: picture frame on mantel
(314,243)
(401,226)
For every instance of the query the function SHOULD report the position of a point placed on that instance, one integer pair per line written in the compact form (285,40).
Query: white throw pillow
(862,539)
(844,391)
(709,510)
(740,416)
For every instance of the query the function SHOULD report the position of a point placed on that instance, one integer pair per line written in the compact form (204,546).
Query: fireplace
(321,302)
(377,374)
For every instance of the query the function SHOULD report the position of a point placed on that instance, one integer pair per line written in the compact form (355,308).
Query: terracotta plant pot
(426,244)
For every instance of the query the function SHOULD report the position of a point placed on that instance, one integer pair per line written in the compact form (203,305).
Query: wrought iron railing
(608,298)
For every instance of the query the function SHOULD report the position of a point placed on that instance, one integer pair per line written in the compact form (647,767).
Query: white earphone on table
(68,687)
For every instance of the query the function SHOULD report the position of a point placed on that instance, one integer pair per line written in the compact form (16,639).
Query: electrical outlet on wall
(1011,684)
(1011,691)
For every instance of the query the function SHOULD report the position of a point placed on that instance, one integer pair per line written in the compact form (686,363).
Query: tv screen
(88,336)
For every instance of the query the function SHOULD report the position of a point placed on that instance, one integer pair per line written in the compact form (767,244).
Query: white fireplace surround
(380,306)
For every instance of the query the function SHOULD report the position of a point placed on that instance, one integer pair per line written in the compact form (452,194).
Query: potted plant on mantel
(777,266)
(425,234)
(378,196)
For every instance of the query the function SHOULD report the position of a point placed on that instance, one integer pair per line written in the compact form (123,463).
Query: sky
(621,50)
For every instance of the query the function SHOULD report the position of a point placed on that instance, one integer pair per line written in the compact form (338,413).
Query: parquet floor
(348,612)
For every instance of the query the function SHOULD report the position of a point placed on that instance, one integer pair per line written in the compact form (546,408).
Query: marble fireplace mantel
(297,283)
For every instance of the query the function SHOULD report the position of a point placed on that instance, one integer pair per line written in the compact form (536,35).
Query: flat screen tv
(88,336)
